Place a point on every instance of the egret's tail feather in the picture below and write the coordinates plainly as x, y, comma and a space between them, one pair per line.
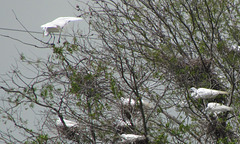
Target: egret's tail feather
223, 92
230, 109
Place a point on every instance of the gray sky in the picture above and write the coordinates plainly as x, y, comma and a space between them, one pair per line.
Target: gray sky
32, 14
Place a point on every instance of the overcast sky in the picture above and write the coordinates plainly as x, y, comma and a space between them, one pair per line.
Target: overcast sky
32, 14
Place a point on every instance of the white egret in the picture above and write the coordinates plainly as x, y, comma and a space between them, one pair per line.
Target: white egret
67, 122
57, 25
128, 101
217, 108
132, 137
205, 93
131, 102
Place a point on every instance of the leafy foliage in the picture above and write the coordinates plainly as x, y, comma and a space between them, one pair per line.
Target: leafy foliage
145, 51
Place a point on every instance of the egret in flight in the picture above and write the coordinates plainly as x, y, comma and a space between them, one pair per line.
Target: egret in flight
67, 122
205, 93
57, 25
217, 108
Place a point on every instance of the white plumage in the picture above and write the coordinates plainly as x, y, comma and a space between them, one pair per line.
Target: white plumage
205, 93
217, 108
67, 122
128, 101
132, 137
57, 24
131, 102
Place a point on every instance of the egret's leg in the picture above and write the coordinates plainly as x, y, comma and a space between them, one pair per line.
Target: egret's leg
50, 38
204, 104
59, 36
53, 38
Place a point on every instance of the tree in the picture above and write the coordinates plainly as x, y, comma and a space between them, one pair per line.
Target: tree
140, 50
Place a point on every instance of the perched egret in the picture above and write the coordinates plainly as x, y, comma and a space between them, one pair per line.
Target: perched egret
217, 108
57, 25
132, 137
205, 93
131, 102
67, 122
128, 101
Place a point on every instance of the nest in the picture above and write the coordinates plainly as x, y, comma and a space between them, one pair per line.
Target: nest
192, 72
71, 133
218, 128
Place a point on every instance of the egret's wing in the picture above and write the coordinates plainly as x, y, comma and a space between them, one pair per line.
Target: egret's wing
213, 104
210, 92
62, 21
203, 92
223, 108
70, 123
47, 25
67, 122
57, 24
71, 18
216, 107
131, 136
219, 92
